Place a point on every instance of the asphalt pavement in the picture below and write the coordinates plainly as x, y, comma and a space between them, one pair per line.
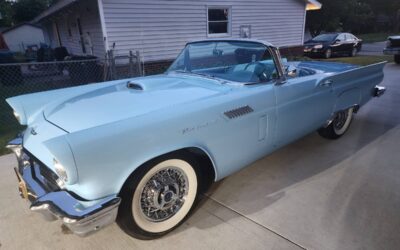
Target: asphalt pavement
312, 194
372, 49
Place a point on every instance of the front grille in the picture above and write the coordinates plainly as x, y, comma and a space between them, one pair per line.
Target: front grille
49, 177
42, 174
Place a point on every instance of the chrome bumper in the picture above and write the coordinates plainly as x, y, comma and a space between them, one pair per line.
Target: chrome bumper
80, 216
378, 91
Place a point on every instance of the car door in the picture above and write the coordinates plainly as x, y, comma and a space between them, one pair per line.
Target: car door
303, 105
350, 42
339, 46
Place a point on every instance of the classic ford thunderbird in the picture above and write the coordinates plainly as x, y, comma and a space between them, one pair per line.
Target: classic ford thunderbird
140, 151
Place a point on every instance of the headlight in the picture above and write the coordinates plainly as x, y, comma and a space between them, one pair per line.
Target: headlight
61, 172
318, 46
17, 117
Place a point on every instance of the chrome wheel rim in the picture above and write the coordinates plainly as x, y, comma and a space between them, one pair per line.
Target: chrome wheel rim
164, 194
340, 120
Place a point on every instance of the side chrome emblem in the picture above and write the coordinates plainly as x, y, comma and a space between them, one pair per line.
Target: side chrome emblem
33, 131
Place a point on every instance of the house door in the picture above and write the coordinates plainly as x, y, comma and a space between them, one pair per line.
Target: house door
82, 42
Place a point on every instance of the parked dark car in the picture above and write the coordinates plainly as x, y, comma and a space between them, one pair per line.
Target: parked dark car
329, 44
393, 48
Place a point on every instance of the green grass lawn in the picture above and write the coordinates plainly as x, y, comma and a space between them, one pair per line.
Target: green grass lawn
374, 37
360, 60
8, 133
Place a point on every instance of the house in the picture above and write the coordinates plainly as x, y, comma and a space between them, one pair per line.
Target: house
159, 29
20, 37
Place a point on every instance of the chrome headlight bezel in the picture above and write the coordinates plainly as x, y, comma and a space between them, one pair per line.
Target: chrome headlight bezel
61, 172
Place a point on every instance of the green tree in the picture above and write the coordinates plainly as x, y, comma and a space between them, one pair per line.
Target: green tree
5, 13
328, 18
26, 10
357, 16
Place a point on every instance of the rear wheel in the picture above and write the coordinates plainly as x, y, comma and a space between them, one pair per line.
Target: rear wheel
158, 197
338, 126
397, 59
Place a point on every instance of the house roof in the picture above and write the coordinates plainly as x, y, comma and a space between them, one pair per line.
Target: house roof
311, 5
19, 25
53, 9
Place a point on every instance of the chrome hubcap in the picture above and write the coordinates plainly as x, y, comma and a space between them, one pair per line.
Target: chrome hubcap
340, 120
164, 194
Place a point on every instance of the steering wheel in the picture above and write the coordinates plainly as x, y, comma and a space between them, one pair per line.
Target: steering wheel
261, 71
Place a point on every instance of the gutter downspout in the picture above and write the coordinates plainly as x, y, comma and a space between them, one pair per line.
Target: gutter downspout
304, 24
103, 25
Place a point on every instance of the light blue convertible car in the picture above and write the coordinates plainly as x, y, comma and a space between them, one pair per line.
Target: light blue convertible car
141, 150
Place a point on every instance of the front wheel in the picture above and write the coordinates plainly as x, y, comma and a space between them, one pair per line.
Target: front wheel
158, 197
397, 59
338, 126
328, 54
353, 52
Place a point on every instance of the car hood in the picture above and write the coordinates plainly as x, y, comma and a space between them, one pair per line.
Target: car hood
118, 102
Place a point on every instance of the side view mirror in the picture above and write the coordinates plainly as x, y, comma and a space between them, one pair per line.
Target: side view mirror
291, 71
337, 41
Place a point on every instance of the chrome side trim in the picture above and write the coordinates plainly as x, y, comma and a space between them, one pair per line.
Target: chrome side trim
235, 113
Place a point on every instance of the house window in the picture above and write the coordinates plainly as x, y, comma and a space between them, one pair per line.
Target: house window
219, 21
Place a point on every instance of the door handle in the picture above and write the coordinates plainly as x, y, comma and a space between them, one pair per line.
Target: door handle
326, 83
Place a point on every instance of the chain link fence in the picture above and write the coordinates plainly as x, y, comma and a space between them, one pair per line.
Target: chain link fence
23, 78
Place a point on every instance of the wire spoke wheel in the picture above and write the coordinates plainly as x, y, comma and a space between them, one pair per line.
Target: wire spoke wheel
164, 194
342, 121
158, 196
338, 126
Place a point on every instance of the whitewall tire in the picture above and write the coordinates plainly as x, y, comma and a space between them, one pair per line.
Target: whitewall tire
339, 125
158, 197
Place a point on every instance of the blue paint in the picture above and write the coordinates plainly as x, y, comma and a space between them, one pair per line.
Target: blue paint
102, 132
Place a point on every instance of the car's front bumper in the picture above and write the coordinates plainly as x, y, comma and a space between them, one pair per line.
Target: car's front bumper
392, 51
80, 216
310, 52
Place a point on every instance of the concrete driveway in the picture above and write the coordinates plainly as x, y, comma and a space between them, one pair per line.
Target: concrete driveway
312, 194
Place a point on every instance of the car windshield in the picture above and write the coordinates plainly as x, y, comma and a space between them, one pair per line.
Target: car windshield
324, 38
238, 61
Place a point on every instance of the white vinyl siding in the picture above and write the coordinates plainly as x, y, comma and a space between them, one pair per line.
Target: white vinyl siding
88, 14
160, 28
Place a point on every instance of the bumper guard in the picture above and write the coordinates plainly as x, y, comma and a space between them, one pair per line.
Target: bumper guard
378, 91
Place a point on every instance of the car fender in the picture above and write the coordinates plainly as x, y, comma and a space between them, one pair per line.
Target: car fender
166, 150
